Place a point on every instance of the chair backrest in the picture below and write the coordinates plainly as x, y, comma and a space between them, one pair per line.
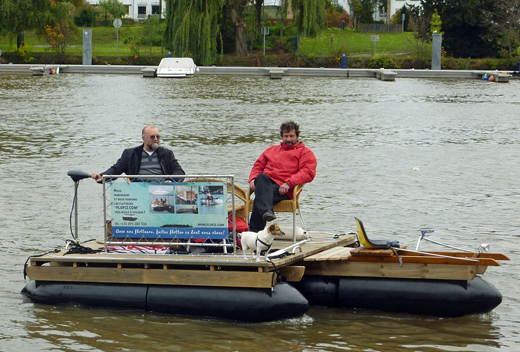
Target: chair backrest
285, 206
367, 243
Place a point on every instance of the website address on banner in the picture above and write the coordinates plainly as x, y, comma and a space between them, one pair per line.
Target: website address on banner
211, 224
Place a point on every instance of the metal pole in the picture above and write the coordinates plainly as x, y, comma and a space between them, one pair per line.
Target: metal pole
436, 51
117, 41
76, 185
264, 41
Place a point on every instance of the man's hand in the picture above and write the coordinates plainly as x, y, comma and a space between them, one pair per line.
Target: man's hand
284, 188
252, 185
97, 177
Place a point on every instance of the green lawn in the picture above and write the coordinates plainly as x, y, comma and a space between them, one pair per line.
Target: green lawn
104, 42
353, 43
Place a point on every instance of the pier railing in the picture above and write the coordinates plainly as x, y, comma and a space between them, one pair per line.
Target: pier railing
174, 211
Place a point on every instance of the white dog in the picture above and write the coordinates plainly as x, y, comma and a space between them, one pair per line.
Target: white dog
260, 241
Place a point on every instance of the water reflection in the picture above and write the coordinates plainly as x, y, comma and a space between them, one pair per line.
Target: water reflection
322, 329
369, 136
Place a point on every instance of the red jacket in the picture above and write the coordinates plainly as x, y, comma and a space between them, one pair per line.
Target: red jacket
294, 164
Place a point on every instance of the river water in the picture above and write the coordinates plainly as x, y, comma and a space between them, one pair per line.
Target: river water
401, 156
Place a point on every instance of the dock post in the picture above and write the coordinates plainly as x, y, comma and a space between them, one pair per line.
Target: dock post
87, 47
436, 51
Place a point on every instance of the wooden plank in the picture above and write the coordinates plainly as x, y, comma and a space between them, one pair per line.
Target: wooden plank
153, 276
325, 254
311, 249
495, 256
201, 260
293, 273
343, 255
427, 260
196, 259
391, 270
361, 251
337, 253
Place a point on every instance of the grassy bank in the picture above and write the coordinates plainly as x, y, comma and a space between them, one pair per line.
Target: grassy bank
104, 42
392, 51
353, 43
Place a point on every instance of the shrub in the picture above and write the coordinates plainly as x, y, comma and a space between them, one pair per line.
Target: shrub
381, 61
334, 18
275, 38
85, 18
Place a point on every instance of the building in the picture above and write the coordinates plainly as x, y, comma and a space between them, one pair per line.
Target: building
383, 13
141, 9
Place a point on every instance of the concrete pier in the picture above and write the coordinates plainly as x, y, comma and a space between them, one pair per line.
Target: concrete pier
274, 72
385, 75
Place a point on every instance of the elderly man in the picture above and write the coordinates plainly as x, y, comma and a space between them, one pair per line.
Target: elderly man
277, 171
146, 159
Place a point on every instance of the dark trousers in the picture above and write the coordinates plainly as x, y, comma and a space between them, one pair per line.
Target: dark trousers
266, 195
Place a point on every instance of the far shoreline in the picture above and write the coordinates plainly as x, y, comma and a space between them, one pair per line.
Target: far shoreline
272, 72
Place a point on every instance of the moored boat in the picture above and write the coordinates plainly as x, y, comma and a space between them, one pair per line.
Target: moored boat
176, 67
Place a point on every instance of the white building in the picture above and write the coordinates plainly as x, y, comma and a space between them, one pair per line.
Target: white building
379, 15
141, 9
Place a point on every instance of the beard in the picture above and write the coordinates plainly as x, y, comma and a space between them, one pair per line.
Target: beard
290, 143
153, 146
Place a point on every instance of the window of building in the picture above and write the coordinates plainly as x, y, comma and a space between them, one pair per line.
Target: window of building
141, 11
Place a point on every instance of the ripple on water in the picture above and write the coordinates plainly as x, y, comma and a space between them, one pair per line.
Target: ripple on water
368, 136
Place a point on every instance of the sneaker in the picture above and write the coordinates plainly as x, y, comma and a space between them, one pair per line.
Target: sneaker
268, 216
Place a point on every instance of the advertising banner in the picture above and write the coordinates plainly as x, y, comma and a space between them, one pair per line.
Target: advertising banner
169, 210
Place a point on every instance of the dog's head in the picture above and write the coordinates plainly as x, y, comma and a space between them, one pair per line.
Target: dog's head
275, 230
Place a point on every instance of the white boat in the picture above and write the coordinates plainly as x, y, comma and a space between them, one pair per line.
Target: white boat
176, 67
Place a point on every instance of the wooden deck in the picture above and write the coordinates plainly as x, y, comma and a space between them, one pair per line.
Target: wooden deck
224, 270
322, 255
402, 263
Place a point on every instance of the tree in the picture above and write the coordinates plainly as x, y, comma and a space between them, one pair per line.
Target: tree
436, 23
258, 7
114, 7
17, 16
466, 32
505, 23
192, 29
236, 8
364, 10
334, 18
310, 16
397, 17
422, 30
150, 33
60, 29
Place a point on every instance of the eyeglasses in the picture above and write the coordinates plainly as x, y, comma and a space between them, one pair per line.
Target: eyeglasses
154, 137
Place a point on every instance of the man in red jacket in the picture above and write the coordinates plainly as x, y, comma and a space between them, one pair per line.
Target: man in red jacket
277, 171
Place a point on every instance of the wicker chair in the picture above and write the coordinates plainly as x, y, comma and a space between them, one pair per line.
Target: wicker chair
285, 206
